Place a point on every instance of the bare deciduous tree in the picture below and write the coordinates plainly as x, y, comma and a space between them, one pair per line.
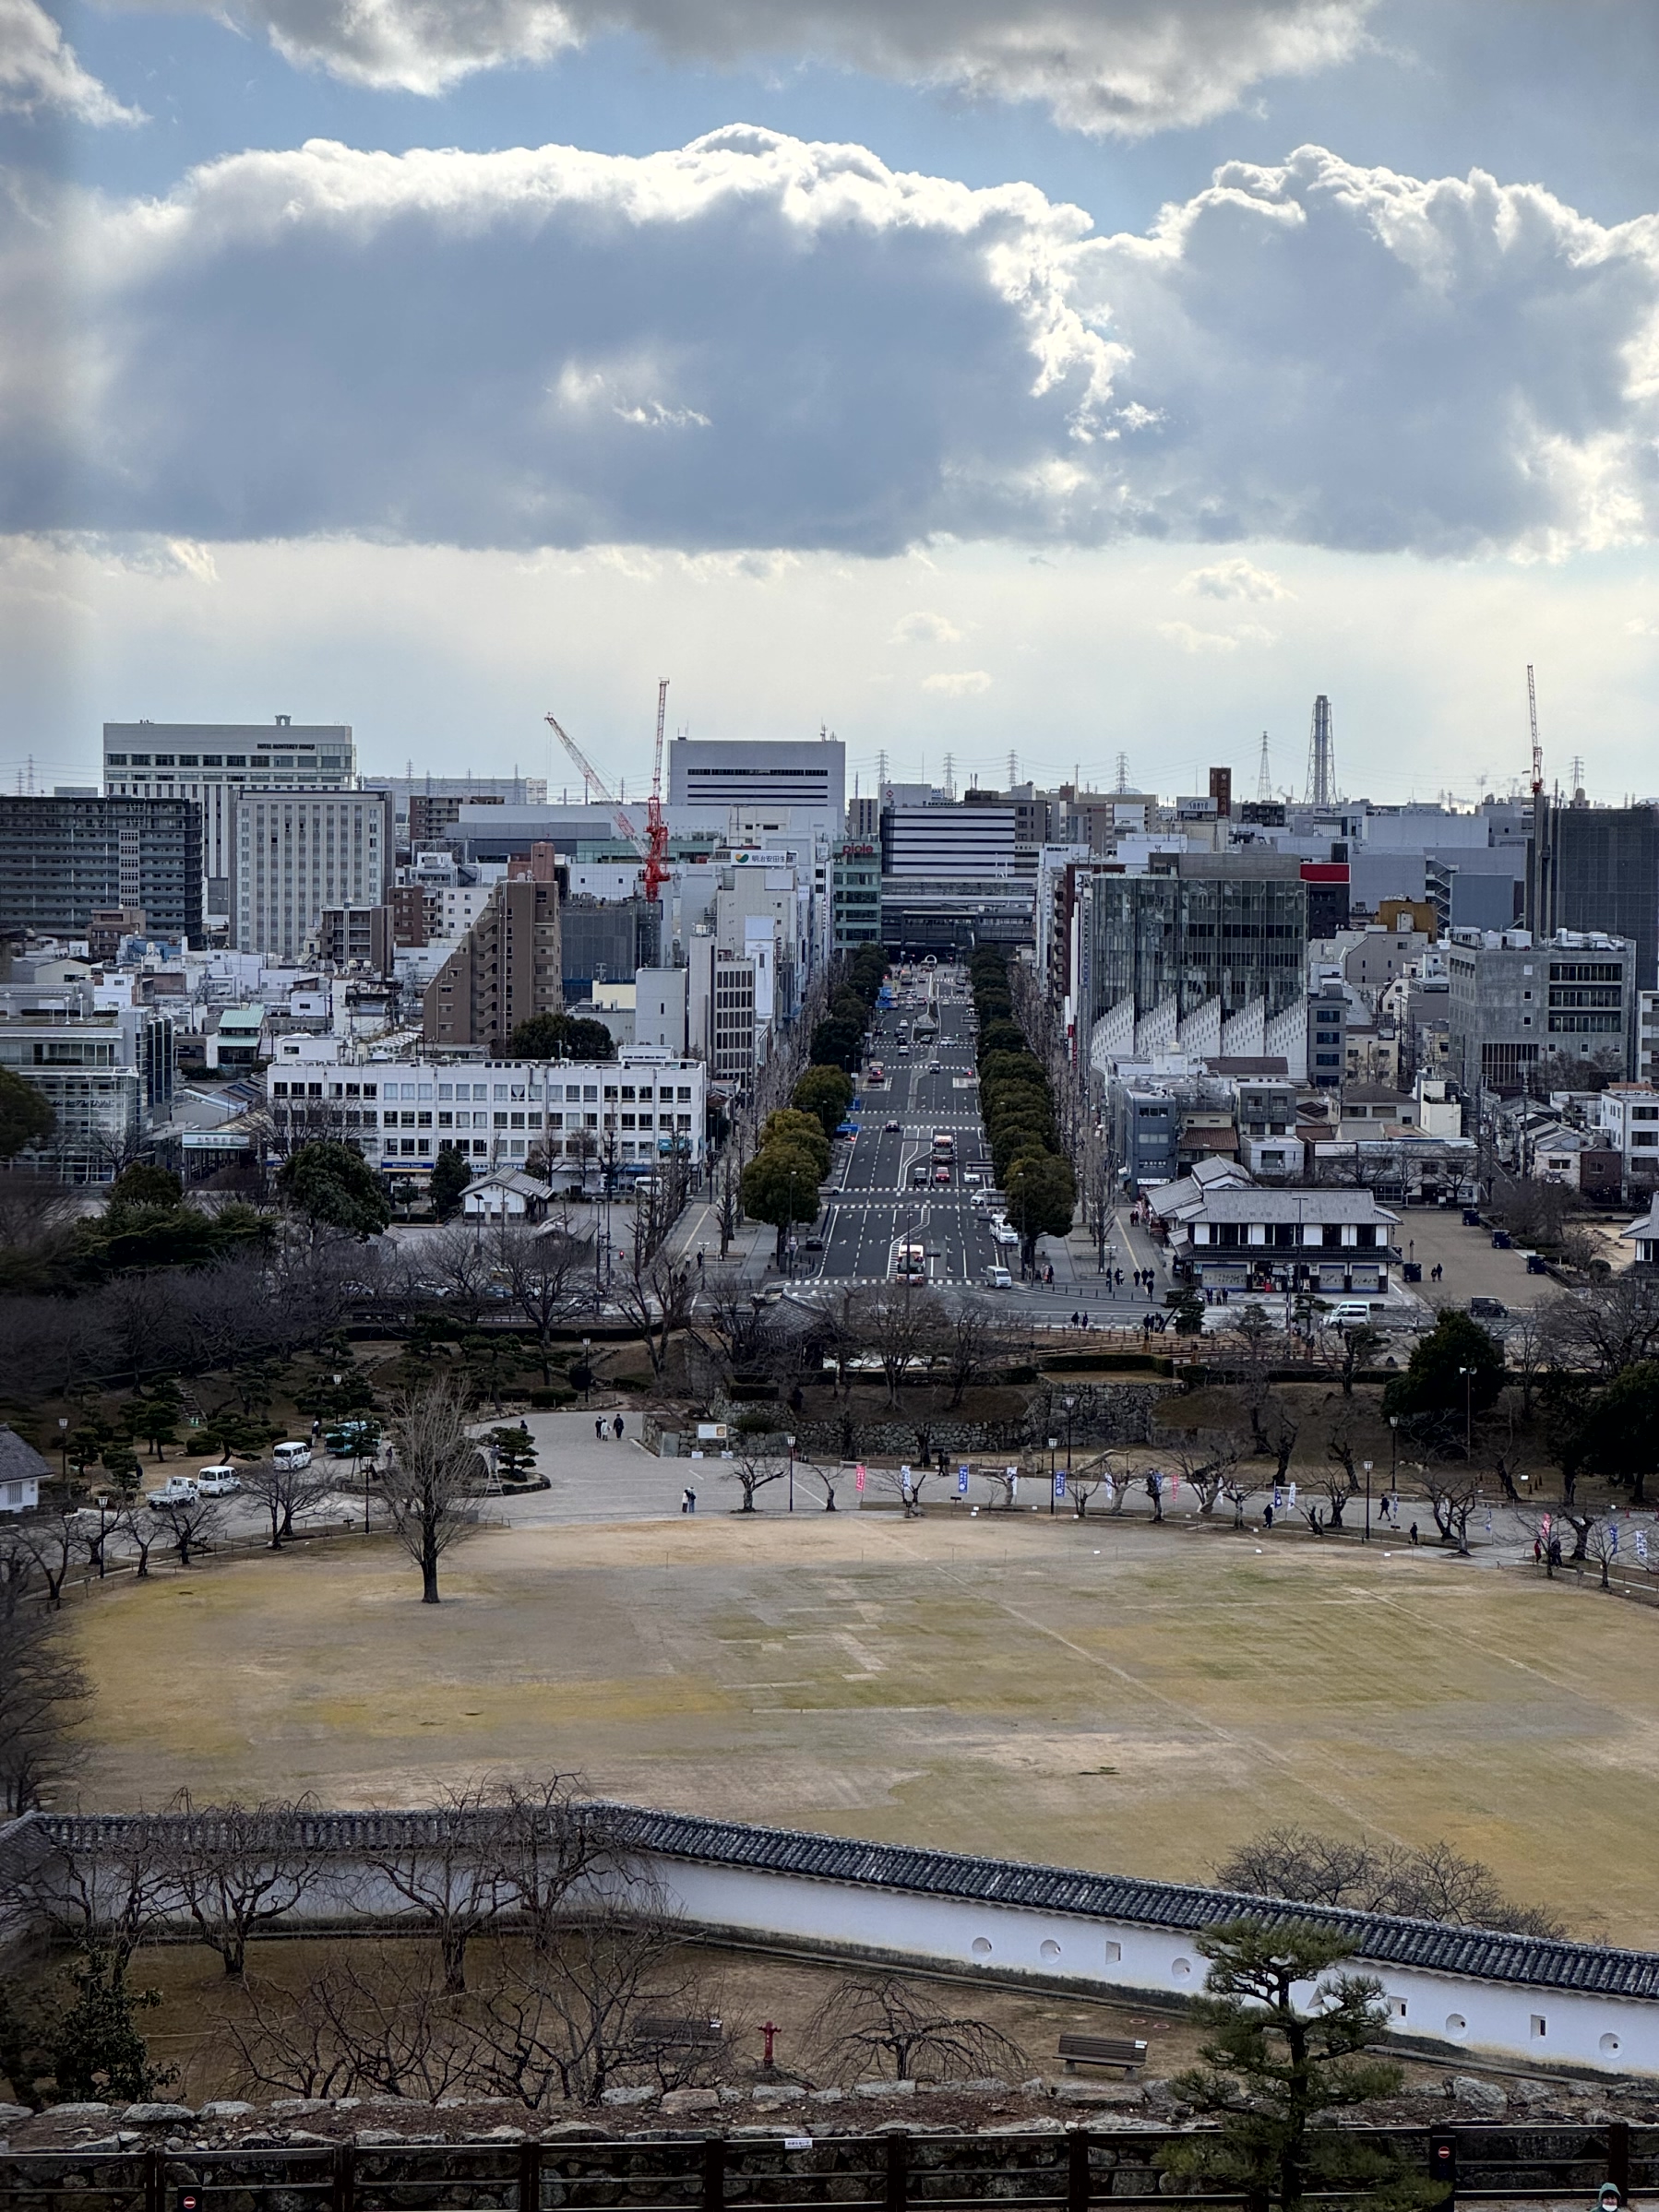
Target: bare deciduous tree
428, 1489
375, 2021
881, 2024
189, 1524
238, 1868
752, 1472
1204, 1462
548, 1273
657, 1293
451, 1874
1610, 1327
282, 1492
602, 2000
1434, 1883
42, 1690
1452, 1491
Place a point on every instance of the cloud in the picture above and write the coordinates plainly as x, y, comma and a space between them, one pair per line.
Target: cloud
755, 342
1121, 67
959, 683
1235, 580
39, 71
922, 628
1191, 640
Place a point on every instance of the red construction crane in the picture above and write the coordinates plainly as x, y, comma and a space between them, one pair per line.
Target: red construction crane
653, 845
1531, 708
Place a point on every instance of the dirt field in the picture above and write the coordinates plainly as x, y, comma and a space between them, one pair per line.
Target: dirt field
1110, 1697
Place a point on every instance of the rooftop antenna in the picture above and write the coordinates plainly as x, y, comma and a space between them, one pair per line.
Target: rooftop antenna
1264, 774
1321, 757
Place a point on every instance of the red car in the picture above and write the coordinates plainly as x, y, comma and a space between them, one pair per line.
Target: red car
941, 1174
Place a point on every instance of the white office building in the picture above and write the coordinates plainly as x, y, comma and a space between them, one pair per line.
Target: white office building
294, 853
626, 1113
759, 777
212, 762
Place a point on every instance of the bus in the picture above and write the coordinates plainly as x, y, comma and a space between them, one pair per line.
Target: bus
944, 1146
910, 1262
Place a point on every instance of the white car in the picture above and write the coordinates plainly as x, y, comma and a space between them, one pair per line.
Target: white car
218, 1482
1002, 1234
998, 1278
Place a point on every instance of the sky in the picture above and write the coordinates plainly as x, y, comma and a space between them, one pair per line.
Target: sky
1080, 384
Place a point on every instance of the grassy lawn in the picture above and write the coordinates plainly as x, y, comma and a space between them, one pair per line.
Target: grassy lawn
1107, 1696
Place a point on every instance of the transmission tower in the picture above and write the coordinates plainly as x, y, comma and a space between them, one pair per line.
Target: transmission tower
1264, 774
1123, 773
950, 775
1013, 771
1321, 757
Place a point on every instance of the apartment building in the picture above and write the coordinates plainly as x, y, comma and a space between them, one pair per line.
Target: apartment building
505, 969
63, 860
720, 1023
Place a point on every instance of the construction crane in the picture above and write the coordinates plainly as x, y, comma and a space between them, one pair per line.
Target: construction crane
1531, 710
653, 846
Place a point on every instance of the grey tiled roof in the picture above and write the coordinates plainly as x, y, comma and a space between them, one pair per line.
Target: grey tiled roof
1380, 1939
20, 1461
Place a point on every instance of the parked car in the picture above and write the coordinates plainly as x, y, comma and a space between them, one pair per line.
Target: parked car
1002, 1234
178, 1490
218, 1482
292, 1455
813, 1244
1488, 1309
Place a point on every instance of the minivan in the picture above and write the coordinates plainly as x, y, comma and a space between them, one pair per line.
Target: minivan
1351, 1312
218, 1482
998, 1278
292, 1455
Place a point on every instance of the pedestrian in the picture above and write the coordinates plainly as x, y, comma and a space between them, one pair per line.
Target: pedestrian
699, 1259
1050, 1276
1267, 1516
618, 1425
691, 1501
1074, 1319
1537, 1550
1085, 1320
599, 1428
1414, 1532
685, 1501
1119, 1279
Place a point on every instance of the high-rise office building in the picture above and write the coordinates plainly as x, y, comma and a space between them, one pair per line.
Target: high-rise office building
758, 776
62, 860
295, 854
1214, 934
210, 762
1517, 999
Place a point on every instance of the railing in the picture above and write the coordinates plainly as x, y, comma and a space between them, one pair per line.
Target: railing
1070, 2171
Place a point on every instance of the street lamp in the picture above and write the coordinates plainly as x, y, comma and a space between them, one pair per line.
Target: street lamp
587, 1371
1468, 1376
1367, 1468
1053, 1446
1068, 1403
791, 1441
1393, 1453
63, 1442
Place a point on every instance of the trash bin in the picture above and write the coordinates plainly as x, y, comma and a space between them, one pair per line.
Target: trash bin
1501, 1240
1413, 1271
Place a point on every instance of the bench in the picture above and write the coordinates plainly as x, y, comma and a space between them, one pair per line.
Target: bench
1102, 2050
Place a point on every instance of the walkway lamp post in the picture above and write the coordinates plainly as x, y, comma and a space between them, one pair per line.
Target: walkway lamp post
1367, 1468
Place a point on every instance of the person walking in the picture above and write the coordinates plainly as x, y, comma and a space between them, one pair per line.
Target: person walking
1267, 1516
1074, 1319
1414, 1532
619, 1424
599, 1428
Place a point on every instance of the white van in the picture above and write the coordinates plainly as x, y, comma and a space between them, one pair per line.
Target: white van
218, 1482
292, 1455
998, 1278
1351, 1312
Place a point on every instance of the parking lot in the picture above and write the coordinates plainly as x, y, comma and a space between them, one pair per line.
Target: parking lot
1475, 1267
